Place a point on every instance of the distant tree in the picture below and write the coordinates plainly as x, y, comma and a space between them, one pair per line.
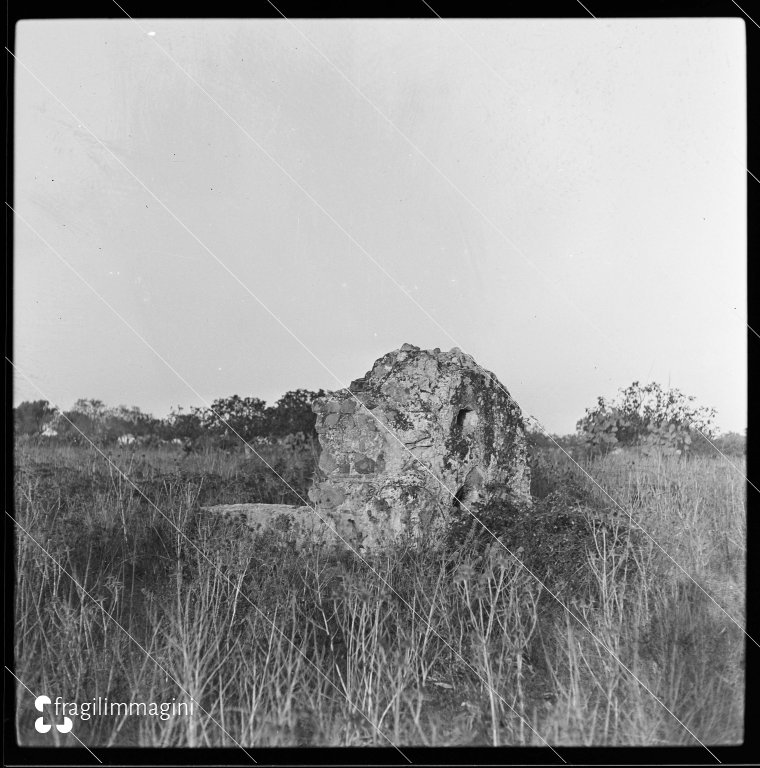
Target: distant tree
231, 418
95, 409
122, 421
185, 426
292, 413
79, 427
647, 416
84, 421
30, 418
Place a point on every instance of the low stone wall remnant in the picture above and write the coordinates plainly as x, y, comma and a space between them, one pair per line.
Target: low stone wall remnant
423, 435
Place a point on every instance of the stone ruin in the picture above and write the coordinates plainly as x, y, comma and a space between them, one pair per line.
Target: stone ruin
421, 436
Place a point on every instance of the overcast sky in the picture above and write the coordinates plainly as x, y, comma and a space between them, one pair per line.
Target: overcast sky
565, 200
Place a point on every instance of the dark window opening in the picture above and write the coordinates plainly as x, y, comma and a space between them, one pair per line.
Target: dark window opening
466, 421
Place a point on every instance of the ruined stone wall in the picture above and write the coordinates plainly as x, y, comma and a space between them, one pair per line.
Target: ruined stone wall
438, 433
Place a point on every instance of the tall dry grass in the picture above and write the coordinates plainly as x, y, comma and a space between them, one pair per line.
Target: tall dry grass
453, 644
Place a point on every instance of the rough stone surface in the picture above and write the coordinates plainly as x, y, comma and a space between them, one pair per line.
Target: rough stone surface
420, 435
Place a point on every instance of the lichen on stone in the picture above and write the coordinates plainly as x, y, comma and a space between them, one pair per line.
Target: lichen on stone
443, 435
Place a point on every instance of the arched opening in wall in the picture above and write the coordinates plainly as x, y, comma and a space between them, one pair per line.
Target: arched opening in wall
466, 420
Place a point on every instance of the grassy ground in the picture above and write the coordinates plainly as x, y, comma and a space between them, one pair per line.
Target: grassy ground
146, 599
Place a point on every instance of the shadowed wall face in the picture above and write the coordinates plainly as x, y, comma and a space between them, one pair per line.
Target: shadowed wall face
422, 434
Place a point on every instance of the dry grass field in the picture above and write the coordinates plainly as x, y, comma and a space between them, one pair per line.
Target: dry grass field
129, 592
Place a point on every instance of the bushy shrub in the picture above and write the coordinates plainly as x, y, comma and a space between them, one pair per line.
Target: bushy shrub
649, 417
234, 418
30, 417
292, 413
551, 537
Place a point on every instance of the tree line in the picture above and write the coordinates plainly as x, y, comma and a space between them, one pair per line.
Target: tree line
222, 424
642, 416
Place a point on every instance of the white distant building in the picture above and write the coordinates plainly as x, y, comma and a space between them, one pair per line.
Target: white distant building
49, 431
126, 440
